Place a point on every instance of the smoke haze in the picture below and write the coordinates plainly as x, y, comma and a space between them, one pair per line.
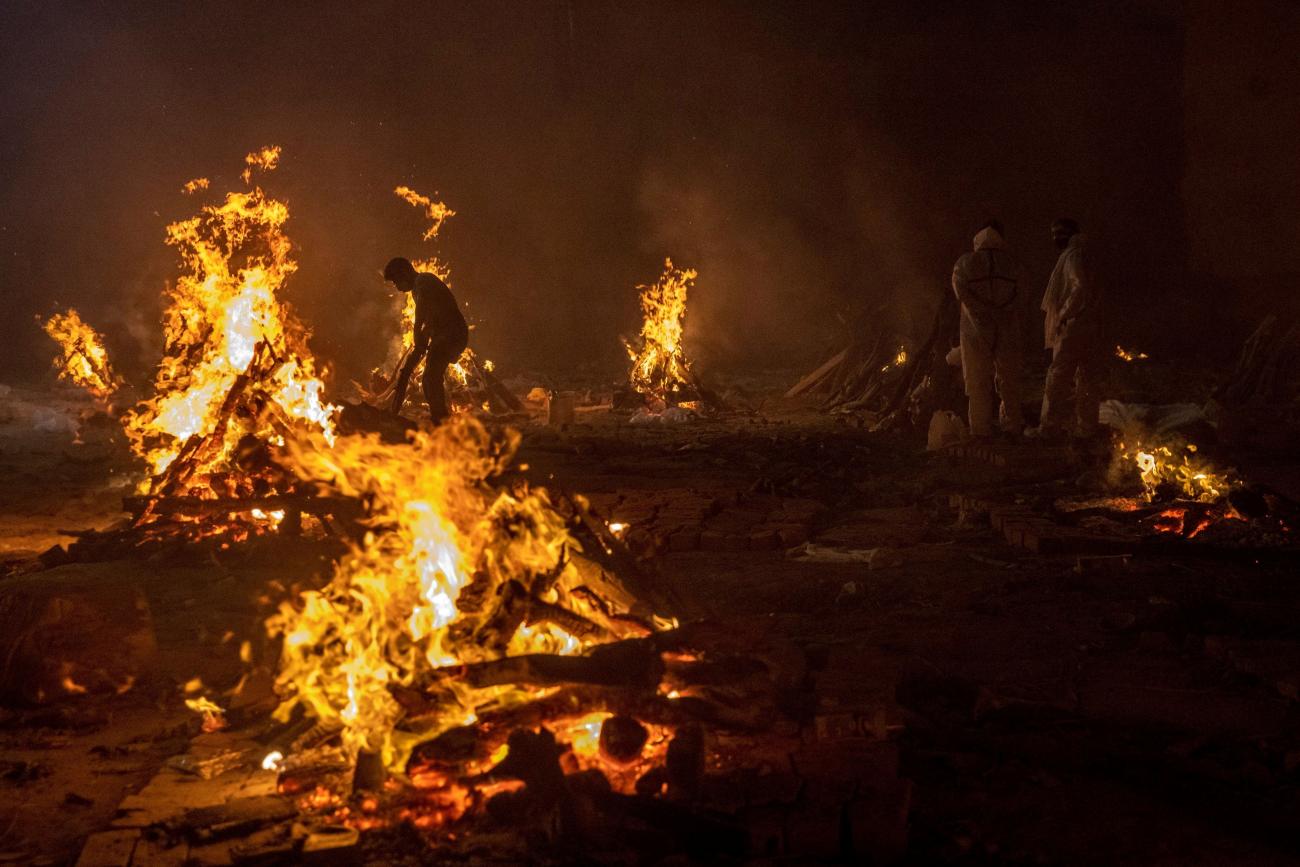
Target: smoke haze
805, 162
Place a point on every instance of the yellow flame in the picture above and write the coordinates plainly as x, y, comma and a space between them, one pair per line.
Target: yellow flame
659, 365
437, 212
83, 359
228, 335
583, 734
265, 159
900, 358
419, 592
211, 711
1182, 467
1129, 354
193, 186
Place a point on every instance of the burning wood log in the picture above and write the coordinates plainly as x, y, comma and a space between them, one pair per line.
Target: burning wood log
312, 505
473, 743
632, 663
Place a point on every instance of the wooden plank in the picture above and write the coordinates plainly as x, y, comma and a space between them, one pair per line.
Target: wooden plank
342, 506
814, 379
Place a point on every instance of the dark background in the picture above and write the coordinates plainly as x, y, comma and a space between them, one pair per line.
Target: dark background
805, 160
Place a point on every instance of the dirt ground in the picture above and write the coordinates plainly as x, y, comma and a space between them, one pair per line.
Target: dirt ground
1046, 713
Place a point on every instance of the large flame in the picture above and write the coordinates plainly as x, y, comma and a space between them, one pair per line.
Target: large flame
659, 364
83, 359
421, 590
231, 343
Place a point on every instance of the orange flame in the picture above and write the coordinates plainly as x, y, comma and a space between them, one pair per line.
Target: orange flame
1130, 355
1182, 467
84, 360
227, 330
659, 366
413, 595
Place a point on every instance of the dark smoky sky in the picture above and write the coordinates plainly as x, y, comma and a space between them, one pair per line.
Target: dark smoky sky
805, 161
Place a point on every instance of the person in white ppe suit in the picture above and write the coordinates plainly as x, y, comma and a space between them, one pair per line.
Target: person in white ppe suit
990, 286
1072, 330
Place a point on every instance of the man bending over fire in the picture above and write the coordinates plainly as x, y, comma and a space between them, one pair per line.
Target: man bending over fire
440, 334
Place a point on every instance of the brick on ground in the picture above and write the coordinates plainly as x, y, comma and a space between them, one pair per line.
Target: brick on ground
109, 848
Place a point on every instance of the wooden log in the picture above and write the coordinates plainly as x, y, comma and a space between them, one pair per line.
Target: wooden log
571, 622
813, 380
608, 568
634, 662
472, 744
312, 505
498, 392
363, 418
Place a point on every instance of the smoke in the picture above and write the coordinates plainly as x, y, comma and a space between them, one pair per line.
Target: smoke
806, 163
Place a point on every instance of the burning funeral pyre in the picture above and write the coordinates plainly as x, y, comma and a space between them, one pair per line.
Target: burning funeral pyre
1172, 493
472, 384
83, 359
661, 374
236, 379
484, 647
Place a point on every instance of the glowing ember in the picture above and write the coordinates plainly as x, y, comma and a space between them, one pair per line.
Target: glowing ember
659, 366
84, 360
584, 734
236, 361
1130, 354
1181, 469
271, 761
900, 358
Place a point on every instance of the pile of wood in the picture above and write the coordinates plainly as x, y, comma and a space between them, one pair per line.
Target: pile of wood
698, 683
481, 389
1267, 372
1257, 406
866, 378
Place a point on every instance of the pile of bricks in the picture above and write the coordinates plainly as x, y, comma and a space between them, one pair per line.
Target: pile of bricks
1025, 528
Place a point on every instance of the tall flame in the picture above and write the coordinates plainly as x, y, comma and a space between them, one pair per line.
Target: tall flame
659, 365
420, 591
83, 360
227, 332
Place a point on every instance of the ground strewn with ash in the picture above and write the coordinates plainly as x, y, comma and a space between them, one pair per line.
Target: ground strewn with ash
1045, 707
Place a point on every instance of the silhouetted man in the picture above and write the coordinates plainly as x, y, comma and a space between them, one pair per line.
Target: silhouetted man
440, 334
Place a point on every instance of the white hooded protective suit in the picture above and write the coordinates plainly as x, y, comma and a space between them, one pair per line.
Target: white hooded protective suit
991, 288
1072, 330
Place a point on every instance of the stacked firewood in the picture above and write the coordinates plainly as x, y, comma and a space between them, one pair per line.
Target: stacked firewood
1267, 372
867, 376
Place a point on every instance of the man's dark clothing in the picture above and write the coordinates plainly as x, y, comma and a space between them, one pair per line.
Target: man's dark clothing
441, 335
